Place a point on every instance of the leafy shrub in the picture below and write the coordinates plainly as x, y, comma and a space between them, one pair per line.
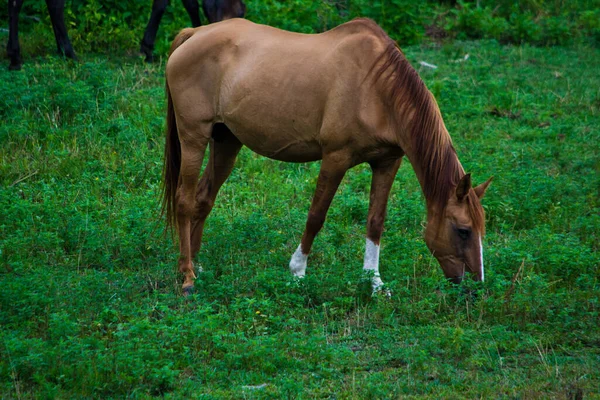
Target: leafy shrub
523, 28
536, 22
588, 24
404, 20
470, 22
111, 26
556, 30
296, 15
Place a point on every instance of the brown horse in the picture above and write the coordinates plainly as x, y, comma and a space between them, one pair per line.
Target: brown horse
346, 96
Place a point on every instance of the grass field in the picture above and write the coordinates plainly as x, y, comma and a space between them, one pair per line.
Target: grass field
90, 301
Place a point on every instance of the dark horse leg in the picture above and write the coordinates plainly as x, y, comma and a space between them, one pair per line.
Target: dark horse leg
219, 10
158, 9
213, 9
193, 10
56, 9
147, 45
12, 47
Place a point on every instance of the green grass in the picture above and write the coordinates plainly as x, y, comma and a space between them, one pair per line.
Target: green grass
90, 301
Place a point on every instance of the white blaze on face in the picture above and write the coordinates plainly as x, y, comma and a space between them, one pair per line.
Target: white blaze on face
298, 263
481, 256
372, 263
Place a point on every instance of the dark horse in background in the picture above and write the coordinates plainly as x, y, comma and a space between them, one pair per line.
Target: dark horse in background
56, 9
215, 10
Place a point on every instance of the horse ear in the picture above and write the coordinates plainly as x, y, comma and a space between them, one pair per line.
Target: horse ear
480, 190
463, 187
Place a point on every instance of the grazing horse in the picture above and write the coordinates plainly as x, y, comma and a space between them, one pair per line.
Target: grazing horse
345, 96
215, 11
56, 9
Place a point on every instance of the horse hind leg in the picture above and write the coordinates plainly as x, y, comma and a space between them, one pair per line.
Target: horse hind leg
381, 184
193, 146
224, 148
333, 169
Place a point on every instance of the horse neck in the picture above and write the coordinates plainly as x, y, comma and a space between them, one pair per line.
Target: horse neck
428, 146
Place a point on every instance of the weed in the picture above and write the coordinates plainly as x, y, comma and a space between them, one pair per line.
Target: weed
89, 294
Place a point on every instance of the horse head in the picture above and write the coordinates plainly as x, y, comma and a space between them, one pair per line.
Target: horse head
454, 232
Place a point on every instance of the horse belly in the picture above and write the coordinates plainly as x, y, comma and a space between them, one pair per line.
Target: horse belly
293, 152
275, 124
281, 144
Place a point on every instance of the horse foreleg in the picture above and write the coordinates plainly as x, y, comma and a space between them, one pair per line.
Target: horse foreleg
193, 9
13, 49
147, 45
381, 184
56, 9
333, 169
223, 152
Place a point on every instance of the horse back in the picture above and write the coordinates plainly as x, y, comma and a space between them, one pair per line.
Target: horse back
288, 96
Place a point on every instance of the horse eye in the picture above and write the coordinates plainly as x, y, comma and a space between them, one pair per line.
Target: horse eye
463, 233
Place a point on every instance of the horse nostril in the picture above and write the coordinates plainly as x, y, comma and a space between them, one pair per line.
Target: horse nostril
456, 280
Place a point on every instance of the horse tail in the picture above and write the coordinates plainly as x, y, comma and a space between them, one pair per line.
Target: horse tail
172, 158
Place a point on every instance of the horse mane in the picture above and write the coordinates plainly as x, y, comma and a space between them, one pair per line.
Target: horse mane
431, 143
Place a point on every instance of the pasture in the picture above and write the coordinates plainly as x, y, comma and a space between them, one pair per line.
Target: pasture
90, 300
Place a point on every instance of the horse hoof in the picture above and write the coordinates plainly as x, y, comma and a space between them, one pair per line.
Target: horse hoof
148, 54
147, 51
14, 67
188, 290
381, 291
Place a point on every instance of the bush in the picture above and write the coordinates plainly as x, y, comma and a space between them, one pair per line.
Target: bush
111, 26
534, 22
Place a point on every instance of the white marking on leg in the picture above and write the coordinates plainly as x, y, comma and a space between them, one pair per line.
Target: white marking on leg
481, 255
372, 264
298, 263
